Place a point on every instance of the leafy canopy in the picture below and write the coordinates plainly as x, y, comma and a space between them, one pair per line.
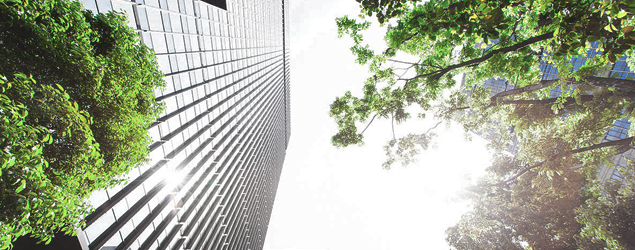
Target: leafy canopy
484, 39
76, 98
541, 191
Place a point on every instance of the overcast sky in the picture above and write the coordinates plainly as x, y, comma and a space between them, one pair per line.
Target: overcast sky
332, 199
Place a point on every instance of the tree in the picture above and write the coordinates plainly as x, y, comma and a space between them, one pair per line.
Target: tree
536, 195
77, 98
447, 37
566, 211
538, 210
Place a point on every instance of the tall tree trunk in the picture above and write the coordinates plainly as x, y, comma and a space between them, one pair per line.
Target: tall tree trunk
568, 101
600, 82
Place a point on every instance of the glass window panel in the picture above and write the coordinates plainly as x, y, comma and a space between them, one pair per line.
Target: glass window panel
173, 63
104, 6
153, 3
166, 21
179, 44
120, 208
154, 19
143, 18
158, 43
176, 23
173, 5
98, 197
187, 43
95, 229
163, 4
164, 64
114, 241
182, 62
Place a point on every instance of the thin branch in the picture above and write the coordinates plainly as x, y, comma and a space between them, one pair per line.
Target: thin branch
435, 126
393, 126
408, 69
397, 61
403, 68
371, 121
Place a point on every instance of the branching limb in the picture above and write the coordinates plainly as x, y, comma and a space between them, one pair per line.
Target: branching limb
435, 126
437, 74
367, 125
398, 61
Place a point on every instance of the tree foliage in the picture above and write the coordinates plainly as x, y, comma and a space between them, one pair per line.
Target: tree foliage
541, 191
448, 37
77, 98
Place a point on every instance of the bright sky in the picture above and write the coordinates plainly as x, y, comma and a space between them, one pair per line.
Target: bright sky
342, 199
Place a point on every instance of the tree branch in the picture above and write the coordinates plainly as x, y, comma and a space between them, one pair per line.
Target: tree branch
393, 126
540, 85
437, 74
397, 61
568, 101
435, 126
600, 82
623, 143
371, 121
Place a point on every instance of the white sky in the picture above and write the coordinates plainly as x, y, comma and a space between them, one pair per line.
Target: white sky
332, 199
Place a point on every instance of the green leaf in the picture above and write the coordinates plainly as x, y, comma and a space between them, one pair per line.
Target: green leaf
21, 186
612, 57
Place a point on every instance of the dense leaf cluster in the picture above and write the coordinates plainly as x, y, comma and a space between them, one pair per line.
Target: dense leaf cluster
77, 98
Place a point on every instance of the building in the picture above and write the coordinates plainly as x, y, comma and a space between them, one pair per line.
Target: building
218, 148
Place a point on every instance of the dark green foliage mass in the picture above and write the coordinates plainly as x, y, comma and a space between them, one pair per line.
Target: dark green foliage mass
77, 96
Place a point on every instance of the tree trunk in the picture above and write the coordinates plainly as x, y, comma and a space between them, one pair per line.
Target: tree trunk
600, 82
439, 73
621, 144
568, 101
620, 84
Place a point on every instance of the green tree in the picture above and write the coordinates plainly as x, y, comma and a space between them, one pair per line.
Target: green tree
541, 211
448, 38
537, 194
77, 98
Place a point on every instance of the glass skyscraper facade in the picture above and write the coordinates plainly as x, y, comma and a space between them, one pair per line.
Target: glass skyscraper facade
218, 148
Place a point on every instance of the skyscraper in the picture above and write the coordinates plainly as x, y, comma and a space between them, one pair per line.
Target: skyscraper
218, 148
